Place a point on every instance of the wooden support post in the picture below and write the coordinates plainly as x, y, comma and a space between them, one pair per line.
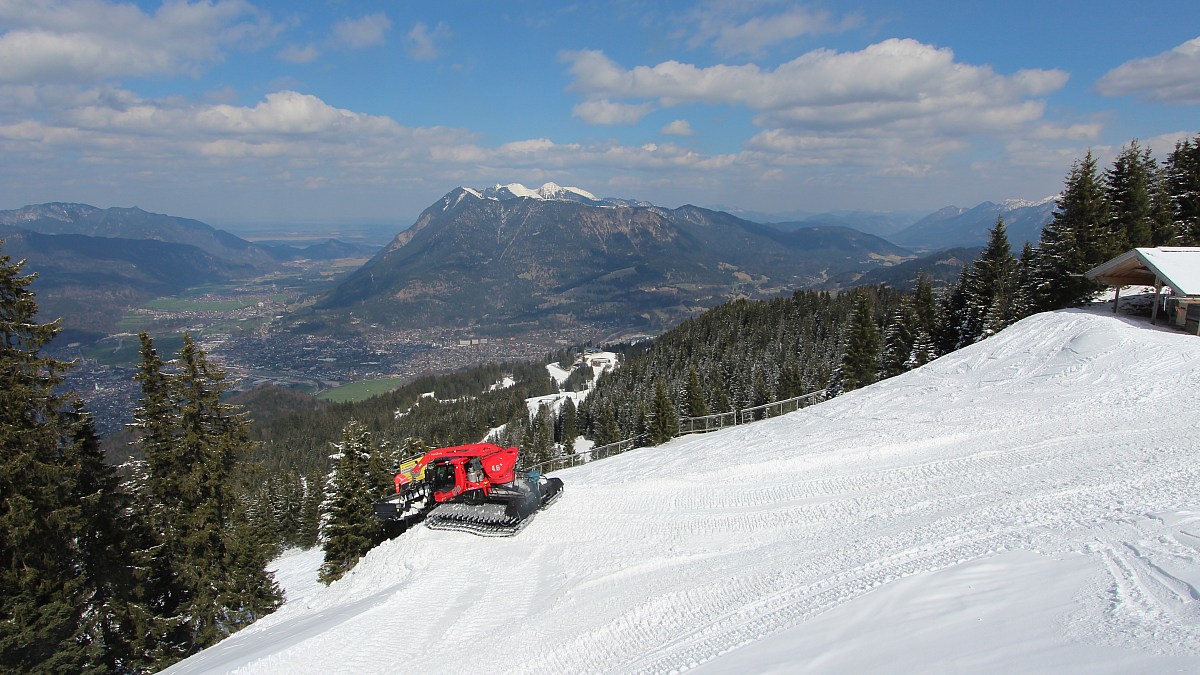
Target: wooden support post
1157, 296
1116, 299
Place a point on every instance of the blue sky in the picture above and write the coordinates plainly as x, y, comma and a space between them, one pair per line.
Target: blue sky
233, 111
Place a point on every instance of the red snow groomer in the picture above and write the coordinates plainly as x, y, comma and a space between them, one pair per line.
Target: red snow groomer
473, 488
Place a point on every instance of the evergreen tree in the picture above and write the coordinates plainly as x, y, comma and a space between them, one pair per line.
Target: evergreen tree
860, 365
1162, 210
990, 283
607, 431
205, 570
925, 321
899, 339
696, 405
1183, 184
662, 420
569, 426
63, 585
348, 525
924, 305
951, 316
1077, 239
1128, 186
537, 444
1025, 300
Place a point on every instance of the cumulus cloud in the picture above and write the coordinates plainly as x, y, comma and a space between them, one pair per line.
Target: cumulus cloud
423, 42
607, 112
678, 128
908, 102
365, 31
1170, 77
888, 81
81, 41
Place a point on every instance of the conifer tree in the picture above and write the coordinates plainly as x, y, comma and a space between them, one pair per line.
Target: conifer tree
990, 283
924, 317
63, 585
1183, 184
538, 441
1162, 210
1076, 239
205, 572
348, 525
696, 405
924, 305
607, 431
951, 316
860, 365
662, 420
569, 426
899, 339
1025, 299
309, 524
1127, 186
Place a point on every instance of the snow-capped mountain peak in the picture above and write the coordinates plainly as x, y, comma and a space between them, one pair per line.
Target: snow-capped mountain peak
1014, 204
555, 191
549, 191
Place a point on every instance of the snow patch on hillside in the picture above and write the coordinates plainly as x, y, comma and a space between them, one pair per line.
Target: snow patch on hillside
1025, 504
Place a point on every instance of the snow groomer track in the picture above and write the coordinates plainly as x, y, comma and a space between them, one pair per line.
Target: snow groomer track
1029, 503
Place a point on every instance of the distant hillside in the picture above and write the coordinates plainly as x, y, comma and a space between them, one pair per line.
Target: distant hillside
942, 268
953, 227
328, 249
58, 218
91, 281
517, 258
879, 224
94, 264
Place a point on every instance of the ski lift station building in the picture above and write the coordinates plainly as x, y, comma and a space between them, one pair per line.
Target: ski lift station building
1176, 267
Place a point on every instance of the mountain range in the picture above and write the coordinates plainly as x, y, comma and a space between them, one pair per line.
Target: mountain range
504, 257
94, 264
510, 256
953, 227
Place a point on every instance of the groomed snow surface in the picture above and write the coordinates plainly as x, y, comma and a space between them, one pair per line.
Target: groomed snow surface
1028, 504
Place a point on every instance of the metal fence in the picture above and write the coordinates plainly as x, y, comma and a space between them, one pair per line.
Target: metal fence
688, 425
707, 423
585, 456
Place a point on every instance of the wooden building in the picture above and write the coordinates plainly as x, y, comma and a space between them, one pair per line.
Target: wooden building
1176, 267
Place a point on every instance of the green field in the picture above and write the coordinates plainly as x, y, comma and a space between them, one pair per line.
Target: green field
185, 305
358, 391
125, 351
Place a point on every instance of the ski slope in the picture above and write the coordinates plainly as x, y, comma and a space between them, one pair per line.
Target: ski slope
1027, 504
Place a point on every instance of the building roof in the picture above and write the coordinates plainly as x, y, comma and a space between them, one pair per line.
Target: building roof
1174, 266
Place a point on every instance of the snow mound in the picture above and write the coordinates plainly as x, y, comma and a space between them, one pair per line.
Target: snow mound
1028, 503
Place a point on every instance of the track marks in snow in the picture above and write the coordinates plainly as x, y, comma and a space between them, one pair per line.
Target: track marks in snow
1047, 438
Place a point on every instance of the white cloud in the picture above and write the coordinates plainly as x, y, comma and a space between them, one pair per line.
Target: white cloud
898, 103
1170, 77
888, 81
365, 31
731, 31
83, 41
422, 42
678, 128
299, 53
609, 113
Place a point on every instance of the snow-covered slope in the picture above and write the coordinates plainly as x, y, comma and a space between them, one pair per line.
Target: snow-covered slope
1028, 504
